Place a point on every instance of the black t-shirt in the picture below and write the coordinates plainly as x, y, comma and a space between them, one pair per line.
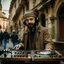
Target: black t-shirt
31, 41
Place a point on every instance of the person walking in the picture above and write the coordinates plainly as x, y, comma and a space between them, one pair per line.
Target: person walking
1, 37
5, 38
14, 38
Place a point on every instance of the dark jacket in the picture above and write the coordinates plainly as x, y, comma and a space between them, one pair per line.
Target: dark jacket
6, 35
43, 39
14, 37
1, 35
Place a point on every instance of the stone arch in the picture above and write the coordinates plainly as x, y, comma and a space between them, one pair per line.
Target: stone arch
57, 5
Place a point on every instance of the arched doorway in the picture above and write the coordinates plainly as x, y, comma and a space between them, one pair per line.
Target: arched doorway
61, 23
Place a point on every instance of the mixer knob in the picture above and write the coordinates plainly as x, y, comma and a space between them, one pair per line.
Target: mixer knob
5, 54
39, 56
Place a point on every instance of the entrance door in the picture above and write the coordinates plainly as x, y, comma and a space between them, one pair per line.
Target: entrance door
61, 29
61, 22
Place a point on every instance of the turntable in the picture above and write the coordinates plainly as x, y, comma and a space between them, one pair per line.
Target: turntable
44, 54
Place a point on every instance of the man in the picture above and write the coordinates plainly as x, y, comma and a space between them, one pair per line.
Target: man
1, 37
5, 38
36, 37
14, 38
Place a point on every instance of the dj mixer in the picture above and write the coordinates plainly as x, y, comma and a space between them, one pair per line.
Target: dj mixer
33, 56
30, 54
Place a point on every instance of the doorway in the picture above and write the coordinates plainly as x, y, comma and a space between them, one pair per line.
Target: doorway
61, 23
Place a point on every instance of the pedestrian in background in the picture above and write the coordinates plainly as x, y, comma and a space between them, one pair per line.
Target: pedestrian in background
5, 38
1, 36
14, 38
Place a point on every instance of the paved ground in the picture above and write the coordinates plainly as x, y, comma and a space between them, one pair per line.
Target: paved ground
9, 45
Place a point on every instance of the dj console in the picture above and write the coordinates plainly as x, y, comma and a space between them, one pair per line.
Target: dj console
32, 56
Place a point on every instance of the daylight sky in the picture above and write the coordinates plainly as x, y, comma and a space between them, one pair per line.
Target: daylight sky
5, 6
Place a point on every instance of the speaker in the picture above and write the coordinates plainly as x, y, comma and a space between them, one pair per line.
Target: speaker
36, 20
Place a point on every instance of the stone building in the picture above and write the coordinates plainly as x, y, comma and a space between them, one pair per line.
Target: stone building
3, 19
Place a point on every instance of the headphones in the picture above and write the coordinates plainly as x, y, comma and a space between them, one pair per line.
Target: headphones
36, 21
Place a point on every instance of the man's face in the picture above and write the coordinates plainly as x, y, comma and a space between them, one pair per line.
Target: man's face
30, 22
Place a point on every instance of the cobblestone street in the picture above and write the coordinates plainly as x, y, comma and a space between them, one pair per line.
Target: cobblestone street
9, 45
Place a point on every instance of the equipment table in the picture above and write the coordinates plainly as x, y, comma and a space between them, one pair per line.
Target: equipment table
31, 58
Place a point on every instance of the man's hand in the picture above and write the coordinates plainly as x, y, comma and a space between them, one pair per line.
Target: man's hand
19, 46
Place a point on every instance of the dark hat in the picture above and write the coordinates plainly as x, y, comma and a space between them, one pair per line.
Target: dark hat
29, 14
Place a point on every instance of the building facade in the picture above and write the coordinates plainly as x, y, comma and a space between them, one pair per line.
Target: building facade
3, 19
